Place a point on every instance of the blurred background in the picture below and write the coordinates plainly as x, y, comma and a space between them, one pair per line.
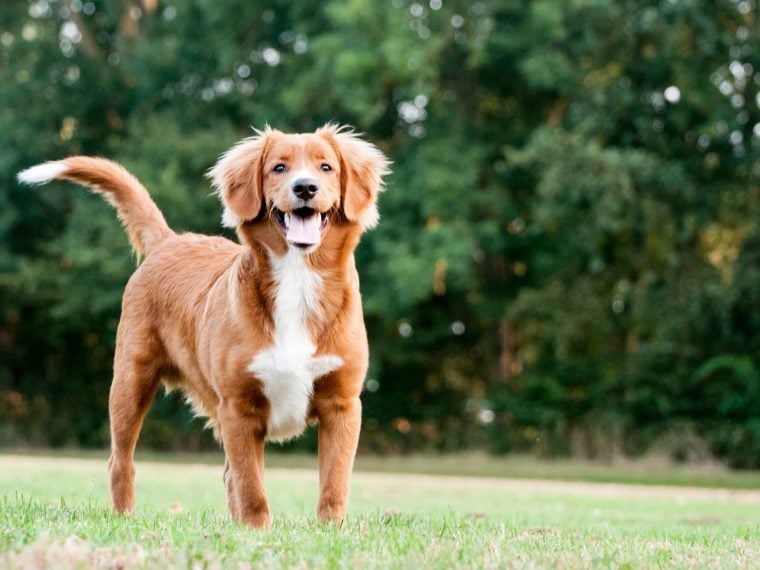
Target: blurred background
568, 261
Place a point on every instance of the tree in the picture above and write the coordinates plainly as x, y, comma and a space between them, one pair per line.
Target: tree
565, 261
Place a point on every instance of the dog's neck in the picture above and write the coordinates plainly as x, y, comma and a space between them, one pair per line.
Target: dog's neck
328, 274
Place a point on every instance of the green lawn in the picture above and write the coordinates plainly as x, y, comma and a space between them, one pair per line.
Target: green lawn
54, 511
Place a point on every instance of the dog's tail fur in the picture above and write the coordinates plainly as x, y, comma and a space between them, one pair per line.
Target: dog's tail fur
141, 217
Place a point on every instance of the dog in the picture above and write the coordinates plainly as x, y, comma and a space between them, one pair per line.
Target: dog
263, 337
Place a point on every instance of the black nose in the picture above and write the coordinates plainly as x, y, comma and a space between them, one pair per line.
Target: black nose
305, 188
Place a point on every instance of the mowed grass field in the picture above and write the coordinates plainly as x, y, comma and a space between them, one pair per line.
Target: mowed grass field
54, 512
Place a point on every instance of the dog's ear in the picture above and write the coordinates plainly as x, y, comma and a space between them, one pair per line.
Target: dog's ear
238, 177
362, 167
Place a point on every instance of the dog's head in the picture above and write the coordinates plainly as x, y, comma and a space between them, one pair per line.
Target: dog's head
301, 184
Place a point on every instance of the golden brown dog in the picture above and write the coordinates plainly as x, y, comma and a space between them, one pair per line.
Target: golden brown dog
262, 337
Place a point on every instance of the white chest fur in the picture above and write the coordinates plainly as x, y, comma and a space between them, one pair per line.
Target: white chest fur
288, 368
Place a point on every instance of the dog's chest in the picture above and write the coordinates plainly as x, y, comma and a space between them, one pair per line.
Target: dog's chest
288, 368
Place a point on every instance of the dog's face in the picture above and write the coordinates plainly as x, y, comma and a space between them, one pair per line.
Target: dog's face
301, 184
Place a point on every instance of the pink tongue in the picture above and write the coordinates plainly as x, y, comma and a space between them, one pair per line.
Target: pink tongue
304, 230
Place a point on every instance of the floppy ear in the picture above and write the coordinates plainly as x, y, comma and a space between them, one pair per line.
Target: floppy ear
362, 167
238, 178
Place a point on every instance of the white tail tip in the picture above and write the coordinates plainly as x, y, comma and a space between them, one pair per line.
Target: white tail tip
43, 173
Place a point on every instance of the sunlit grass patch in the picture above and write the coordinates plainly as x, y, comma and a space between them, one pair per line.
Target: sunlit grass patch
55, 512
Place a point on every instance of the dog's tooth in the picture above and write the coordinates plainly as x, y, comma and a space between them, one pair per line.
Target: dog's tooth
287, 221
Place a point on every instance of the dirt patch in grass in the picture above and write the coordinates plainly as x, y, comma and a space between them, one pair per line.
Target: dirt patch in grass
613, 490
406, 481
72, 552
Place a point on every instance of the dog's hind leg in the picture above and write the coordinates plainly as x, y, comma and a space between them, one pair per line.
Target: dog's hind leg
136, 380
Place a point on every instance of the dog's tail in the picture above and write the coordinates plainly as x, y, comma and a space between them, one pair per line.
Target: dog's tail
141, 217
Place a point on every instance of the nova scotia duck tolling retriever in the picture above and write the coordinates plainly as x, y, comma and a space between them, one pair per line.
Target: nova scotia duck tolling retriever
263, 337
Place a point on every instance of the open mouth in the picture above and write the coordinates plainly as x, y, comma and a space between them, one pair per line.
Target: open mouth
303, 227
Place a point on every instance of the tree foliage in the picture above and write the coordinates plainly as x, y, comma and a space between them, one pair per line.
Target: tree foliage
568, 256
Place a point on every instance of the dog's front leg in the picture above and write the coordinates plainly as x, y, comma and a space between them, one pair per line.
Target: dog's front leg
229, 487
243, 428
339, 424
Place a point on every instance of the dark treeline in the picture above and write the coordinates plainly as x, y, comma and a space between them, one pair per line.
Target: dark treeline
568, 260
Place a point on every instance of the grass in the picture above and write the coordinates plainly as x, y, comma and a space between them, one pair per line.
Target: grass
54, 512
650, 470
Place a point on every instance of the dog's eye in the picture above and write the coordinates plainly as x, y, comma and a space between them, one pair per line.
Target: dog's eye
326, 167
279, 168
